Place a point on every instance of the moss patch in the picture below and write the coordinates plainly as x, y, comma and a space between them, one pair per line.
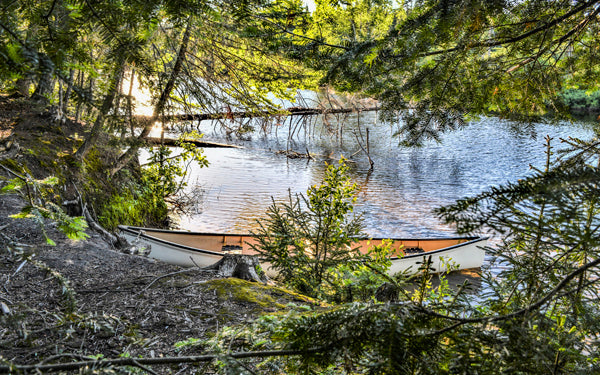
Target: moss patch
268, 298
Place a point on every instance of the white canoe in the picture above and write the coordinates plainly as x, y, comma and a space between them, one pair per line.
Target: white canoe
191, 249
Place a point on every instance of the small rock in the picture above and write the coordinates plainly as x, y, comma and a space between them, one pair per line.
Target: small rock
5, 309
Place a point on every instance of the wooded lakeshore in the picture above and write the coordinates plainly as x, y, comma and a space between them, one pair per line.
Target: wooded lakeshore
86, 87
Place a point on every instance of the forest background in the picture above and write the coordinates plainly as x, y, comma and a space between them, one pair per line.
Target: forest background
431, 65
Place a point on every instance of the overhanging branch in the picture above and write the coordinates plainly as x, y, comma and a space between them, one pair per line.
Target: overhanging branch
535, 306
497, 43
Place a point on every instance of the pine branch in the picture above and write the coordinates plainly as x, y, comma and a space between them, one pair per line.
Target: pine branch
162, 101
285, 30
81, 93
577, 29
518, 38
534, 306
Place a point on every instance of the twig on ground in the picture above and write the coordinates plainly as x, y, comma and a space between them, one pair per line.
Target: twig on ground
171, 274
147, 369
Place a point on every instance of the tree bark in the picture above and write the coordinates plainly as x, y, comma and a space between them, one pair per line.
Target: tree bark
45, 82
129, 104
246, 267
292, 111
65, 101
79, 107
115, 240
175, 143
44, 367
22, 86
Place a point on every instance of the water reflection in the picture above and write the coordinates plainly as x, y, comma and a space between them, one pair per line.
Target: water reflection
396, 198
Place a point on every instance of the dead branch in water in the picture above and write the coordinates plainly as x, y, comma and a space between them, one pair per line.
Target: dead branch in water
292, 111
175, 142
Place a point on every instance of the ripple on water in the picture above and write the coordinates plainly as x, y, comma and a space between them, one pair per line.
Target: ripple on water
395, 199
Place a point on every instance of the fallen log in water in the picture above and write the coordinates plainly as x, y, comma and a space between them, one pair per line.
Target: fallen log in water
175, 142
292, 111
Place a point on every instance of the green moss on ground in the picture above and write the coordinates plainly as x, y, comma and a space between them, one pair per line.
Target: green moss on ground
267, 298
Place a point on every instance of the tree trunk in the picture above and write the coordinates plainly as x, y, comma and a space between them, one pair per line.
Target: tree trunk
115, 240
160, 105
119, 84
104, 110
65, 100
244, 267
45, 82
130, 105
22, 86
79, 107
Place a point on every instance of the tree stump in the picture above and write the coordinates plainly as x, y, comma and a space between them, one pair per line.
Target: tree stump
245, 267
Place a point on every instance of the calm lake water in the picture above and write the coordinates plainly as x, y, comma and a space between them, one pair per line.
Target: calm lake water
395, 199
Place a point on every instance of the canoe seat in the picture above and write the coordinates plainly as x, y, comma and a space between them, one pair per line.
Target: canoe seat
231, 249
413, 250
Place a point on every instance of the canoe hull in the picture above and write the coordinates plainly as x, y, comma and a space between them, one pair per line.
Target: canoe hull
190, 249
459, 257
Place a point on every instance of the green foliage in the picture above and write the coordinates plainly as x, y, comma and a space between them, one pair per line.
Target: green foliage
80, 56
306, 239
358, 281
351, 338
551, 246
38, 194
311, 243
431, 63
537, 311
577, 99
187, 343
165, 174
121, 200
146, 202
434, 64
134, 207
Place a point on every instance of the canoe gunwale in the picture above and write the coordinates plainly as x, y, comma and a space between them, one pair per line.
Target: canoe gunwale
141, 232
